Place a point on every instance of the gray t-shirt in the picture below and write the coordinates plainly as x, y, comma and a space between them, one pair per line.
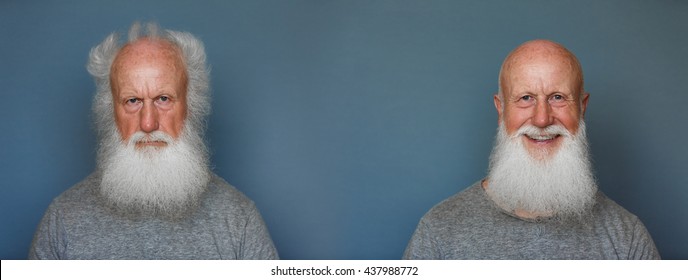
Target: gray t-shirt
226, 225
469, 225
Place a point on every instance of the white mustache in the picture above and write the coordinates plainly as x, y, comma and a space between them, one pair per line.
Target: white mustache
155, 136
541, 133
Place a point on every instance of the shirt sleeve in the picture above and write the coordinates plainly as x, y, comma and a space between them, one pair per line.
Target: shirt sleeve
257, 244
48, 242
423, 245
642, 248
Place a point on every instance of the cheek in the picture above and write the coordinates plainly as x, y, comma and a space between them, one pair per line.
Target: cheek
569, 119
571, 124
127, 124
180, 117
125, 130
512, 127
172, 122
514, 119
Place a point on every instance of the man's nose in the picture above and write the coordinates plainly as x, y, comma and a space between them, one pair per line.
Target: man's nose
543, 114
149, 118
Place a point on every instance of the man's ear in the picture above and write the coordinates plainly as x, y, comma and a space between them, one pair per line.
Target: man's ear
584, 103
498, 106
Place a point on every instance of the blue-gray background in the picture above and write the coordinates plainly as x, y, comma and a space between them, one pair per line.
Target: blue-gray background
345, 121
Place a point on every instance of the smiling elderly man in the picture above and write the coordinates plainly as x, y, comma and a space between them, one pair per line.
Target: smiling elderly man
540, 199
153, 195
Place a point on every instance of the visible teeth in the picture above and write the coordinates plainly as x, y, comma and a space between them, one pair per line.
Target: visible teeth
541, 137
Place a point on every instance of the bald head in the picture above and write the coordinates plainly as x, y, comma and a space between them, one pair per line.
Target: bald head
540, 52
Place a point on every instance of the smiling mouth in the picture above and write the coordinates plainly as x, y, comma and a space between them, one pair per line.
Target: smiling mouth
543, 138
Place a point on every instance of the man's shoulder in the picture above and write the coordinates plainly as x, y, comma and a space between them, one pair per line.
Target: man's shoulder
624, 228
222, 194
463, 203
611, 212
80, 193
78, 201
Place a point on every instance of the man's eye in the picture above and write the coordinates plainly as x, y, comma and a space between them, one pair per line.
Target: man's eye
132, 101
163, 100
557, 98
527, 98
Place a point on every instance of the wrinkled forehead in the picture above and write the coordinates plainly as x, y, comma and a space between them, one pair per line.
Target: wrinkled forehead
552, 68
148, 50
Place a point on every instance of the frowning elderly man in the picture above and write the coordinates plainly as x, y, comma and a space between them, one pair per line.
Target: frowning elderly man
540, 199
153, 195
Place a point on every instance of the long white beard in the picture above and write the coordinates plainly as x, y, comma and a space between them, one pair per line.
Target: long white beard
561, 185
166, 181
